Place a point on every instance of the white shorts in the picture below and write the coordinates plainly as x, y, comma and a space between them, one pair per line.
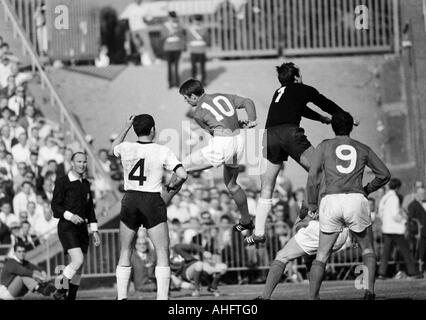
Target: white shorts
308, 238
224, 150
349, 210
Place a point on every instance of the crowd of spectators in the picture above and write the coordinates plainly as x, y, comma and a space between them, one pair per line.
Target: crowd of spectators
33, 154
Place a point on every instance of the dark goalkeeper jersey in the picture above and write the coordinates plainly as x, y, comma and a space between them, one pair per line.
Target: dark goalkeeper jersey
289, 105
342, 160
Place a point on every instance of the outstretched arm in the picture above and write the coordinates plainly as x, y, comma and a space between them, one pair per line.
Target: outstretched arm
323, 102
123, 133
308, 113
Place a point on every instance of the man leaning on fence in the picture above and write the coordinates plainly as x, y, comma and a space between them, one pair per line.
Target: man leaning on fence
417, 210
393, 228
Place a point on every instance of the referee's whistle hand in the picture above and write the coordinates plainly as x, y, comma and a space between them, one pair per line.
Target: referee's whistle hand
96, 239
76, 219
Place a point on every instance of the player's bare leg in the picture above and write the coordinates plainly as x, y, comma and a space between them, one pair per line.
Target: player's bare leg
326, 243
306, 158
75, 282
159, 236
193, 272
76, 258
268, 180
290, 252
230, 176
366, 242
196, 162
124, 268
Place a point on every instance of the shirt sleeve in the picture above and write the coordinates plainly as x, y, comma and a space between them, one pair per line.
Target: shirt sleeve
314, 178
321, 101
308, 113
381, 172
58, 199
118, 150
171, 162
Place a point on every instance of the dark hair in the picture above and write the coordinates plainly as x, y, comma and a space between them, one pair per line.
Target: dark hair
173, 14
395, 183
342, 123
27, 182
175, 221
287, 73
190, 87
198, 17
52, 161
19, 244
76, 153
142, 124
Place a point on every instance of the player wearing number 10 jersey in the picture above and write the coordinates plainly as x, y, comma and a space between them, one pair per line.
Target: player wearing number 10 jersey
217, 113
142, 205
342, 161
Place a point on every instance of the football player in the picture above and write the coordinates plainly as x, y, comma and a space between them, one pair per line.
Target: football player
142, 205
342, 161
303, 244
217, 113
285, 138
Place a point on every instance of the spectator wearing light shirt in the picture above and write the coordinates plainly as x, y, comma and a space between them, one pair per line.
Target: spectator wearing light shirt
49, 152
21, 151
6, 214
5, 71
393, 229
21, 199
15, 128
17, 102
7, 138
45, 225
136, 13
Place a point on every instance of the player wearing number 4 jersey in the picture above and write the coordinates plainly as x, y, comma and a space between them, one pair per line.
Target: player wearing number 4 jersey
142, 205
217, 113
342, 161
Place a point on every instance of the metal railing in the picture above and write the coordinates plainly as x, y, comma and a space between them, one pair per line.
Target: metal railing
296, 27
241, 28
102, 261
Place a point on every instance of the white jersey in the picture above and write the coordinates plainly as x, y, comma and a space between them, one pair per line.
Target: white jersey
143, 165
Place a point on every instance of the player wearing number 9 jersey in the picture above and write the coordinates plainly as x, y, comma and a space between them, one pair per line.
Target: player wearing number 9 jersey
142, 205
342, 161
217, 113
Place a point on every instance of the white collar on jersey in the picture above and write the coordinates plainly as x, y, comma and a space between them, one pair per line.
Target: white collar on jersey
73, 177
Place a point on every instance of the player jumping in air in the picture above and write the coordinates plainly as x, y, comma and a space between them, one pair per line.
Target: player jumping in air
284, 137
217, 113
143, 163
342, 161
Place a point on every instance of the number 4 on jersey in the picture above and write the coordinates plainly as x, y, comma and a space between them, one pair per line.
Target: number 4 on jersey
141, 178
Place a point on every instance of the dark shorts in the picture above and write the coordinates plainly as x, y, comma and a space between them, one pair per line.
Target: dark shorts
142, 209
284, 141
72, 236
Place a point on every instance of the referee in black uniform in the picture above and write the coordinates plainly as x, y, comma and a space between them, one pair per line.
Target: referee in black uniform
72, 204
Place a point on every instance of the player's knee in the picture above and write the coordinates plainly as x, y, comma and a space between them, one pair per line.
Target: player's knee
77, 262
281, 257
368, 251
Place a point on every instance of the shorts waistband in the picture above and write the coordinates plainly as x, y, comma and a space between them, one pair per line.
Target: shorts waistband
142, 192
226, 133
